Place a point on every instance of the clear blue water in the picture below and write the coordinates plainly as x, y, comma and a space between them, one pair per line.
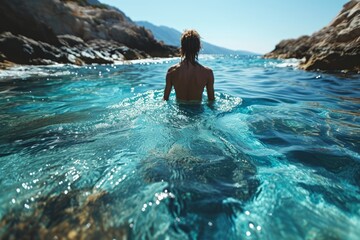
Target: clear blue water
277, 156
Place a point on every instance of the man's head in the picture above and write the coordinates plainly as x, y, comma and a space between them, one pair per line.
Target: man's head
190, 45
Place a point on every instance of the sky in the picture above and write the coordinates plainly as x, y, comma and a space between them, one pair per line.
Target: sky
252, 25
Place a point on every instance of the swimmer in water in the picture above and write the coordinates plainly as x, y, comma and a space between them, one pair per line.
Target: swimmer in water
189, 77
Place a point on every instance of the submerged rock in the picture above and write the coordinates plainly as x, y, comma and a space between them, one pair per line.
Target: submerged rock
79, 214
335, 47
202, 181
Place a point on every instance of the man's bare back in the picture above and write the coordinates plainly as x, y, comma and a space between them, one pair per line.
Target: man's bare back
189, 81
188, 77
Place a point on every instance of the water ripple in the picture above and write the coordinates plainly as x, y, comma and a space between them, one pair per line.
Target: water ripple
94, 150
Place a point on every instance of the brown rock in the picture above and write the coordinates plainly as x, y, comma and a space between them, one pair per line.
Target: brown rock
43, 32
6, 64
23, 50
80, 214
71, 41
15, 18
81, 20
335, 47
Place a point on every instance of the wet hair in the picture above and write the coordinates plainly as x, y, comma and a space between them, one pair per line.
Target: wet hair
190, 46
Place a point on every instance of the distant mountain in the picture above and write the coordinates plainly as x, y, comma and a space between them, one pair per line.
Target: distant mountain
171, 36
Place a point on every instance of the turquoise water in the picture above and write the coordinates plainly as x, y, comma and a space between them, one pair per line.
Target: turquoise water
93, 151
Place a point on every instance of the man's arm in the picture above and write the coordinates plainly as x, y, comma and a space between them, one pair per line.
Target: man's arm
210, 87
168, 87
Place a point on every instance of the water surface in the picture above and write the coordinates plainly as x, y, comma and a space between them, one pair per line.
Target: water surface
94, 151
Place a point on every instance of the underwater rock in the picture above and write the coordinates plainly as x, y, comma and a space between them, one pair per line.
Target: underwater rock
79, 214
335, 47
202, 181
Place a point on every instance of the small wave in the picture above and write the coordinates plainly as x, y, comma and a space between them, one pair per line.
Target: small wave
207, 57
56, 70
31, 71
146, 61
285, 63
152, 104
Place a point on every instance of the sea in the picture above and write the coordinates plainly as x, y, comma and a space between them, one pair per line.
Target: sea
93, 152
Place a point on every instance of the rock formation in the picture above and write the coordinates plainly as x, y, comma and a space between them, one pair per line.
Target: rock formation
335, 47
72, 31
79, 214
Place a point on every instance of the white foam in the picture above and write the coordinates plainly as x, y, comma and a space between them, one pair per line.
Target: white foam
53, 70
30, 70
292, 62
146, 61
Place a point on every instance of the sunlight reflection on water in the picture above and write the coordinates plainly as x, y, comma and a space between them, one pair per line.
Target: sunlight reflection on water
93, 150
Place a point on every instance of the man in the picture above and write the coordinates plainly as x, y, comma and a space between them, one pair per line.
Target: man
188, 77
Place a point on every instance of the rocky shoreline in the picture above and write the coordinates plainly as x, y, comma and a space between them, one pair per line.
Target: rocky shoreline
335, 47
43, 32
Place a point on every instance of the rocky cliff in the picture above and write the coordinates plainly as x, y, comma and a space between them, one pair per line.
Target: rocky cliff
72, 31
335, 47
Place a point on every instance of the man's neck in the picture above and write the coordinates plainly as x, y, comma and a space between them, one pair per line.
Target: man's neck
192, 62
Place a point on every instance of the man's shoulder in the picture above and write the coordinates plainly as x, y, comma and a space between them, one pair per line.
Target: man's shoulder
173, 68
205, 68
